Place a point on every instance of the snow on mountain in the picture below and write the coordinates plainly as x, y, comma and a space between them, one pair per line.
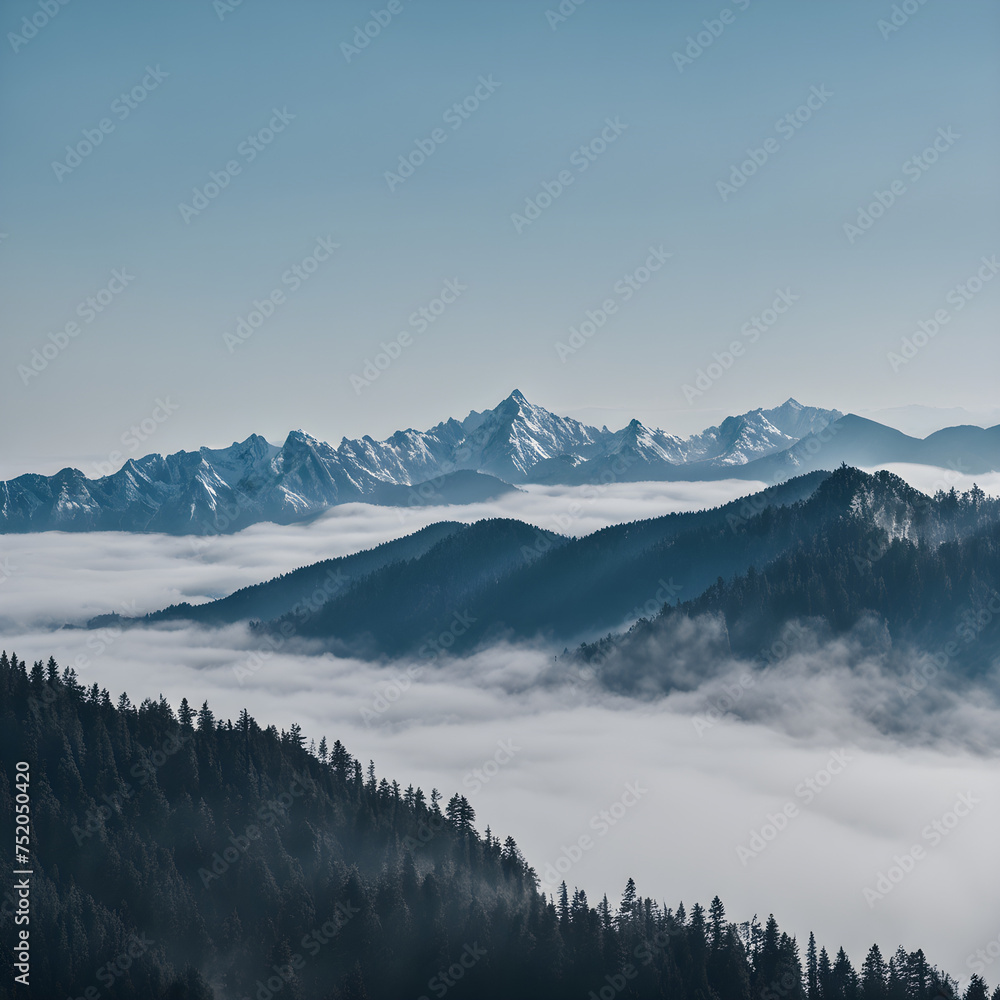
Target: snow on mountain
515, 436
225, 489
641, 444
741, 439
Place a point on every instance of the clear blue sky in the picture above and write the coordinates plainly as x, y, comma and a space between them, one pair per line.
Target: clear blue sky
655, 185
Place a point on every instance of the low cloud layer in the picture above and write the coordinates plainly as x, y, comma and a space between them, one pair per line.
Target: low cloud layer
59, 577
784, 798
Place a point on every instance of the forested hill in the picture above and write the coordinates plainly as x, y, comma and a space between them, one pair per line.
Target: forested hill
833, 547
922, 572
177, 856
506, 578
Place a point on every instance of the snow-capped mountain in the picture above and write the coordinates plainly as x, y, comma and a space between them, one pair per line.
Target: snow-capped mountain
741, 439
516, 442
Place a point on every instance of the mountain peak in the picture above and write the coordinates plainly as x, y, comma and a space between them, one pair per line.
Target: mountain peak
514, 401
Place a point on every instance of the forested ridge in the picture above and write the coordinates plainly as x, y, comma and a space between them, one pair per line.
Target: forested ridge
177, 855
834, 547
925, 571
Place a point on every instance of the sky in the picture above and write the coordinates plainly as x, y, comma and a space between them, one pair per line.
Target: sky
626, 170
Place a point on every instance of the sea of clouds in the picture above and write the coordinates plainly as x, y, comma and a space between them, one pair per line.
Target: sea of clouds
784, 793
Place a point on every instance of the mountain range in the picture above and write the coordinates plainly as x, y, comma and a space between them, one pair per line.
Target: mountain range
455, 462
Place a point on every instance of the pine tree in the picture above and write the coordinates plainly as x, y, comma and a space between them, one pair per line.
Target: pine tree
604, 912
976, 990
627, 909
874, 976
843, 979
206, 719
562, 906
823, 975
812, 970
717, 923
